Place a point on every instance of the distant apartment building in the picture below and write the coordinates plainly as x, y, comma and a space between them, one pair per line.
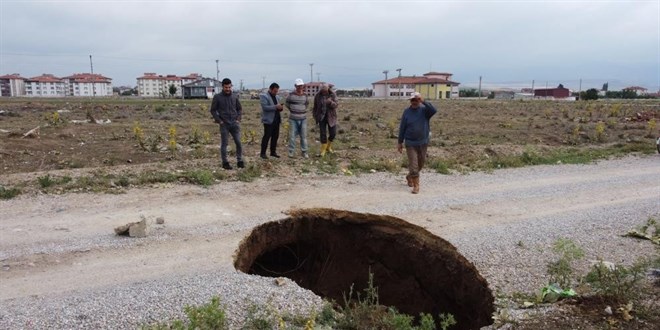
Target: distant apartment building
48, 85
432, 86
88, 84
312, 88
12, 85
639, 91
155, 85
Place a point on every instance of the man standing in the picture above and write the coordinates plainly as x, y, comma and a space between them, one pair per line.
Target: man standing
226, 110
414, 130
325, 114
270, 117
297, 104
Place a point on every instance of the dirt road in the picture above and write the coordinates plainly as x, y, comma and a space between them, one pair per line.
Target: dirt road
53, 244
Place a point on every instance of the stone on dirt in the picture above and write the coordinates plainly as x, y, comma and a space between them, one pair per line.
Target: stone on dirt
133, 229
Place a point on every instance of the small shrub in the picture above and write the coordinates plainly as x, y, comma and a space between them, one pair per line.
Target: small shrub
615, 281
561, 271
8, 193
45, 181
600, 131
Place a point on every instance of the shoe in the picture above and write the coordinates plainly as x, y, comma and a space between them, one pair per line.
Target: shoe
241, 164
291, 155
226, 166
305, 155
274, 155
264, 156
329, 149
415, 188
409, 180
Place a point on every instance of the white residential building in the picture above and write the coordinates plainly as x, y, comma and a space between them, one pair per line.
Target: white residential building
155, 85
87, 84
46, 85
12, 85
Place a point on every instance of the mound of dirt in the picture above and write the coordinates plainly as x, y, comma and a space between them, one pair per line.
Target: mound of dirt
327, 251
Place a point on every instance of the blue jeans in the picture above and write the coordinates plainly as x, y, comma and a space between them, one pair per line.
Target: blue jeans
297, 127
233, 129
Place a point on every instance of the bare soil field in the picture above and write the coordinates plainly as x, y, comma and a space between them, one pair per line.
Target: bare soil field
95, 164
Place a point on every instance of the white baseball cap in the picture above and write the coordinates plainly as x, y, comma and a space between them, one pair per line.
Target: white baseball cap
298, 82
414, 95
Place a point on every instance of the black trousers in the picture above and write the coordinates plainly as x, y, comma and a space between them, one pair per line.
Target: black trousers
272, 134
324, 128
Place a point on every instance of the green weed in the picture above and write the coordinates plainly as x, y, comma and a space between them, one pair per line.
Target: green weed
561, 271
9, 193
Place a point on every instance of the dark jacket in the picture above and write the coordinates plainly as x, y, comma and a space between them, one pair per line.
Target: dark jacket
226, 108
330, 109
268, 108
414, 127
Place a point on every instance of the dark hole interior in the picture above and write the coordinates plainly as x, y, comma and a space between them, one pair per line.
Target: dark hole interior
327, 251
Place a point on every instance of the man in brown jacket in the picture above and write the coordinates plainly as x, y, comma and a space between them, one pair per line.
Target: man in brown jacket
325, 115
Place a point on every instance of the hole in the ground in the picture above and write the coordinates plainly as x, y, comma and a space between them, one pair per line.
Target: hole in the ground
327, 251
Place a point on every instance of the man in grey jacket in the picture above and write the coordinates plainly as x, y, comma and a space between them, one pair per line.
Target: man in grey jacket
226, 110
270, 117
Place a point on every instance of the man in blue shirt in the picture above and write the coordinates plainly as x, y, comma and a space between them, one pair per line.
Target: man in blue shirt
414, 130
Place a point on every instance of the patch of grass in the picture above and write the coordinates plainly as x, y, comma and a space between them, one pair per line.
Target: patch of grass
439, 165
47, 180
211, 316
380, 165
250, 173
9, 193
156, 177
200, 177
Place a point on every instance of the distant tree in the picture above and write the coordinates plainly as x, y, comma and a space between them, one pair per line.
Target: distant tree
589, 94
468, 93
172, 90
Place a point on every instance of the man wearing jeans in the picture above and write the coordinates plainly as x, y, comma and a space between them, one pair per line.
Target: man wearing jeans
226, 110
414, 130
297, 104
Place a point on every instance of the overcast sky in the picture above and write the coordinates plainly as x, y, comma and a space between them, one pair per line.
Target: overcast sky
350, 43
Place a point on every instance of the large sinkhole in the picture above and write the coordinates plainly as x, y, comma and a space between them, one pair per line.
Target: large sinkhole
327, 251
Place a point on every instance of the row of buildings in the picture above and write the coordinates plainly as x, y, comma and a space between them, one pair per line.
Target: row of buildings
432, 85
47, 85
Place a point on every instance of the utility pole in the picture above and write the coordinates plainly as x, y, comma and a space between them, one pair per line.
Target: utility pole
386, 85
241, 85
580, 90
399, 82
91, 67
318, 76
263, 82
479, 86
217, 70
532, 88
311, 72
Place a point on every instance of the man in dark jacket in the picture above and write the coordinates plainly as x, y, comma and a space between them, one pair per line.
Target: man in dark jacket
414, 130
226, 110
270, 117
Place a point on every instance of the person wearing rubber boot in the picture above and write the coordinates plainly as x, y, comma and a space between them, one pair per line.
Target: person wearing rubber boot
414, 132
325, 115
270, 117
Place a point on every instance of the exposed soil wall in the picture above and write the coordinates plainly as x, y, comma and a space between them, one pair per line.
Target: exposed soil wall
327, 251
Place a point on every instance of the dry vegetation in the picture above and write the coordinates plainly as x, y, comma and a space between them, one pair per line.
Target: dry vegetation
136, 142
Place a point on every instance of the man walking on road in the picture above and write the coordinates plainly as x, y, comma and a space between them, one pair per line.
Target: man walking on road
414, 130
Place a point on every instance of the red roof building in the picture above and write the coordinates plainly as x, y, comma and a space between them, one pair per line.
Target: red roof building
12, 85
557, 93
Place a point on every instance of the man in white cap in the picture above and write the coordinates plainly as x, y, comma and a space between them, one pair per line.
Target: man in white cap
414, 130
297, 103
